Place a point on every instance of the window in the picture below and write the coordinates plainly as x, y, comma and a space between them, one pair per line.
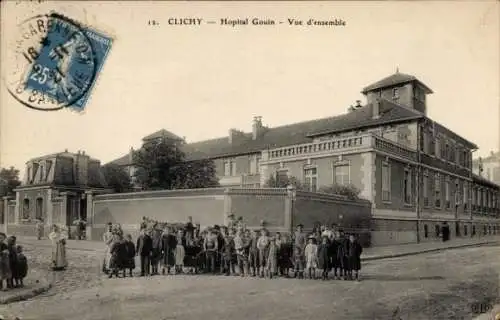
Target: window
39, 208
458, 195
281, 175
341, 174
26, 209
466, 194
35, 171
425, 190
444, 152
432, 145
457, 229
485, 229
229, 168
447, 193
489, 229
311, 179
386, 181
47, 170
465, 230
437, 190
253, 162
454, 157
474, 230
395, 93
426, 231
42, 172
437, 147
474, 196
422, 139
29, 175
407, 186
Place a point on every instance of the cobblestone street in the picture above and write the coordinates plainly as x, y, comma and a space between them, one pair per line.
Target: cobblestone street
444, 285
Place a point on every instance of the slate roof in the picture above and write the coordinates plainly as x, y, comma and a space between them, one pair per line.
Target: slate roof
392, 80
482, 180
162, 134
296, 133
122, 161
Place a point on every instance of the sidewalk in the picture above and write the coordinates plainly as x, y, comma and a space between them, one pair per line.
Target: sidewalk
377, 253
369, 254
30, 290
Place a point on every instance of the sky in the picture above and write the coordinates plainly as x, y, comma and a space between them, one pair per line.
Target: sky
200, 81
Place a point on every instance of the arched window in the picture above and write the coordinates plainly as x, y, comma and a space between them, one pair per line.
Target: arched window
26, 208
39, 208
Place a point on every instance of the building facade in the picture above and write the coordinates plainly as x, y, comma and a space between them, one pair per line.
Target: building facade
488, 168
54, 190
416, 173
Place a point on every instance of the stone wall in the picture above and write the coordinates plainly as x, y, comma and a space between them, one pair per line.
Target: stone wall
206, 206
274, 207
314, 208
257, 205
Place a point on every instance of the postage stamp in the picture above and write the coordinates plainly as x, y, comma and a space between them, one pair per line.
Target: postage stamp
57, 61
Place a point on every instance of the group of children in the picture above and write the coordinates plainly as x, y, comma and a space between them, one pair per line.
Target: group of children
13, 263
237, 251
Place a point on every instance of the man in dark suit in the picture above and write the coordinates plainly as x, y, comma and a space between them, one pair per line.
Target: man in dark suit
445, 232
144, 248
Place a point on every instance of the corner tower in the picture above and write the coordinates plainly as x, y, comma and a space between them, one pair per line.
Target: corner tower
401, 88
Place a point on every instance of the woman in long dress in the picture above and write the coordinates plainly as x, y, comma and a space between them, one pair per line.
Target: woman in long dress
39, 229
58, 239
108, 240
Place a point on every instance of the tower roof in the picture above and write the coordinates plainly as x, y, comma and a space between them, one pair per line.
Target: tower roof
393, 80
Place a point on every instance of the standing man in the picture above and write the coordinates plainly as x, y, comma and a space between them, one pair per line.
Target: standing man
300, 237
210, 246
144, 248
189, 230
156, 248
445, 231
108, 240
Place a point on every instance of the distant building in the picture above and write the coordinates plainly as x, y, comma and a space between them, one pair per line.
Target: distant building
416, 172
488, 168
54, 186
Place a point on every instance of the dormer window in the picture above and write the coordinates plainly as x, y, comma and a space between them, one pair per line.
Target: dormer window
395, 93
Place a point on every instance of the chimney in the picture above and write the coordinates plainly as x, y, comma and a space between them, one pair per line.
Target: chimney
131, 154
376, 109
66, 150
358, 104
231, 135
256, 127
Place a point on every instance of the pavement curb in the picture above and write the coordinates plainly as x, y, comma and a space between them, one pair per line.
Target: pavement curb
412, 253
25, 295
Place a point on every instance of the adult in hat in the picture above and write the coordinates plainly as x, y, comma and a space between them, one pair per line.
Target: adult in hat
300, 237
